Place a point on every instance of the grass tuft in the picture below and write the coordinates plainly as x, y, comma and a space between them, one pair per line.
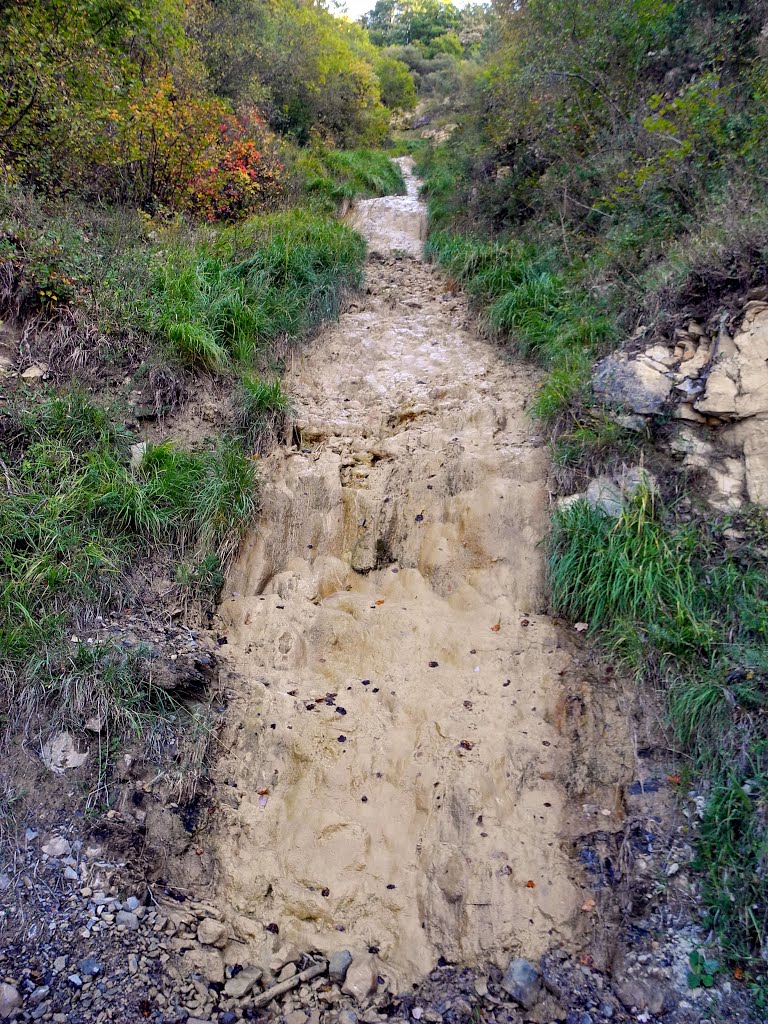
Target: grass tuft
676, 606
223, 300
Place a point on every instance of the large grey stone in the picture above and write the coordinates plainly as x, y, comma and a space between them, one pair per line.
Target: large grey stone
212, 933
243, 982
631, 383
338, 966
10, 1000
522, 982
361, 978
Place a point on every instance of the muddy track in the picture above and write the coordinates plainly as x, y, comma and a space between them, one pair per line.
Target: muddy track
411, 739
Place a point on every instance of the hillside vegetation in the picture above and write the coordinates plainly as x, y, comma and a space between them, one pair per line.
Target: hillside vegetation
607, 180
171, 175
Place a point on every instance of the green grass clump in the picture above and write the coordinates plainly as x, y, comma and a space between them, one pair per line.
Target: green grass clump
526, 301
222, 300
336, 175
77, 513
685, 612
261, 407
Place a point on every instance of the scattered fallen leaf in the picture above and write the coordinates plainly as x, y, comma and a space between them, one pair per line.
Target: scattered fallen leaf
380, 601
530, 884
588, 905
738, 973
525, 622
674, 780
581, 627
263, 792
433, 664
466, 744
496, 628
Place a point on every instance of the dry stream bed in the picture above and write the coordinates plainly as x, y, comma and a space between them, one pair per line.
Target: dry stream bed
420, 775
411, 740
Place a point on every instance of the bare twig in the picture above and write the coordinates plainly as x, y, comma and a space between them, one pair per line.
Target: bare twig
593, 85
289, 983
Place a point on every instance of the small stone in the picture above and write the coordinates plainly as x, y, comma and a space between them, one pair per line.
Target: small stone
127, 920
289, 971
347, 1017
57, 846
59, 964
132, 903
243, 982
207, 961
39, 994
522, 982
338, 965
89, 967
296, 1017
10, 1000
75, 981
35, 371
212, 933
230, 1017
361, 979
71, 875
133, 963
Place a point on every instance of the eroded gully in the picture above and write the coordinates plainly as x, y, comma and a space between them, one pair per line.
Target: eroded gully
411, 740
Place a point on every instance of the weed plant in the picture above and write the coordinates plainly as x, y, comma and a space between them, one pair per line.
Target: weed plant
75, 515
669, 601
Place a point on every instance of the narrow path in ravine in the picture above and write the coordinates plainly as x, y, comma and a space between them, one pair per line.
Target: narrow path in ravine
411, 741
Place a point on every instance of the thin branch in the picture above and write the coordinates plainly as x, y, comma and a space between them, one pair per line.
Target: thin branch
15, 124
593, 85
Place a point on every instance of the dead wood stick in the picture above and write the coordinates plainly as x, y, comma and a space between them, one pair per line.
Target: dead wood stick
289, 983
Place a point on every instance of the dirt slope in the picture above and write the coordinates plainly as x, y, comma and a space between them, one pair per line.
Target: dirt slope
408, 734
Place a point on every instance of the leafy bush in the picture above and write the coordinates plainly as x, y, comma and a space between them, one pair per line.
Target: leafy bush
398, 90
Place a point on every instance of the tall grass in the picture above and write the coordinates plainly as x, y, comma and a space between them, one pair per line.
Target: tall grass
525, 301
261, 407
683, 611
221, 301
76, 515
336, 175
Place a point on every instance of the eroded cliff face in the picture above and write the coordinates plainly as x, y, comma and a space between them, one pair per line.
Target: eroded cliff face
410, 741
713, 379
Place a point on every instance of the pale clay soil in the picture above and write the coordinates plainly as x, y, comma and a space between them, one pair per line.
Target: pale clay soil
410, 741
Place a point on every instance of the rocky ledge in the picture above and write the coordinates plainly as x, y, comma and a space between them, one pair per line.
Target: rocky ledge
714, 379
